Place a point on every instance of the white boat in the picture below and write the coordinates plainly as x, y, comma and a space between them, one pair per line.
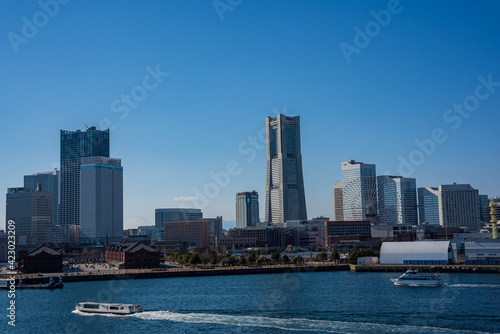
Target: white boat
108, 308
414, 278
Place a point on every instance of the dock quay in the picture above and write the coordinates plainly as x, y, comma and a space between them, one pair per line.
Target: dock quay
184, 272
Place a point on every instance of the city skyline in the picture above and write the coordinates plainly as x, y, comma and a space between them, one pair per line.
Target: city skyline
392, 105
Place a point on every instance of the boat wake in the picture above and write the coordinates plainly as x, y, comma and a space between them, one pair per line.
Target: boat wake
476, 285
292, 324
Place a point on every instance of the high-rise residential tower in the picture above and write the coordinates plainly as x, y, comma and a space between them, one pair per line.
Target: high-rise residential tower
359, 190
101, 198
285, 196
76, 145
338, 203
397, 200
428, 205
247, 209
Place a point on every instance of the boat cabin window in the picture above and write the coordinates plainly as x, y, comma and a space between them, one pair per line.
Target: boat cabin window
90, 306
114, 308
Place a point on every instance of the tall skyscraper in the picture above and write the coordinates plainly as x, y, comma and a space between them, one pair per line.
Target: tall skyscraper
397, 200
458, 206
76, 145
101, 198
359, 190
32, 212
46, 182
338, 203
428, 205
174, 214
247, 209
285, 196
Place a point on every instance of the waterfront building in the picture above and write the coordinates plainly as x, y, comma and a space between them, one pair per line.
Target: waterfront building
397, 200
42, 259
47, 182
76, 145
270, 236
428, 205
101, 198
346, 232
173, 214
194, 232
359, 191
133, 255
32, 212
458, 206
416, 252
392, 231
338, 204
285, 196
247, 209
484, 252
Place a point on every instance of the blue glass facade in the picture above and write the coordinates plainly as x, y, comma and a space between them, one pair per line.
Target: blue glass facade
397, 200
428, 205
247, 209
76, 145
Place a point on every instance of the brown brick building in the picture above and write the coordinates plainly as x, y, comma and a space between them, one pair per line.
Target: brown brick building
134, 255
347, 232
194, 232
42, 260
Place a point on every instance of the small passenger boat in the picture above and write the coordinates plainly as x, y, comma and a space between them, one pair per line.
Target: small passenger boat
414, 278
108, 308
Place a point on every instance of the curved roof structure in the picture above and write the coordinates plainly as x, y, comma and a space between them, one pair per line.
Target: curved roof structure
397, 252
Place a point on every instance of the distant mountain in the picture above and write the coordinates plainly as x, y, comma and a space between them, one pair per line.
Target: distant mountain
133, 222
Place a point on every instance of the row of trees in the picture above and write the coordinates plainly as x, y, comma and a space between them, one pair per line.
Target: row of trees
210, 256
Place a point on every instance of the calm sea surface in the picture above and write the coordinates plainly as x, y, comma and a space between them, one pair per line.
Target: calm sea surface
331, 302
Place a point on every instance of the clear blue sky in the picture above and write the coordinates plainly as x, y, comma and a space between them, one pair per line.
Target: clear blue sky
226, 76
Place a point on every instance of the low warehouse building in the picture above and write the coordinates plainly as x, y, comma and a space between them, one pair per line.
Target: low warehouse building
416, 252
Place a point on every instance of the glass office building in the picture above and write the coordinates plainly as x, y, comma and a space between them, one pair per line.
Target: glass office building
397, 200
76, 145
247, 209
428, 205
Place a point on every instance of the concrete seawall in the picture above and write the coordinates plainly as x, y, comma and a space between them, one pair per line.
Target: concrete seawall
143, 274
426, 268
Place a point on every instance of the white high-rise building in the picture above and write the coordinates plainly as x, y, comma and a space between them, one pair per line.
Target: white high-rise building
458, 206
101, 198
359, 191
397, 200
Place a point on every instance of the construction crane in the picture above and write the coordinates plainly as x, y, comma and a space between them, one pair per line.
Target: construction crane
493, 213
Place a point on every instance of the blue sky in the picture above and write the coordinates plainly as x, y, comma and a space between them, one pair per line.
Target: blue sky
227, 72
